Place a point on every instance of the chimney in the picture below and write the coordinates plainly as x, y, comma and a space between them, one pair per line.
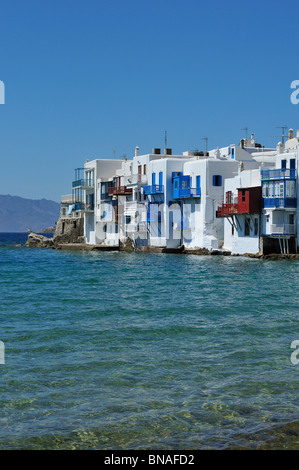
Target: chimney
136, 151
291, 133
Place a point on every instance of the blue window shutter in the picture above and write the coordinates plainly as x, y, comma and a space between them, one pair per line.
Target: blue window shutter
214, 180
198, 185
220, 180
160, 178
153, 179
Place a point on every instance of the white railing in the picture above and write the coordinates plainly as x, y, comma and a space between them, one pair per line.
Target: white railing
135, 179
282, 229
67, 199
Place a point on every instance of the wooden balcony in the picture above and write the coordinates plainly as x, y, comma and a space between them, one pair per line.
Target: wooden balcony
120, 191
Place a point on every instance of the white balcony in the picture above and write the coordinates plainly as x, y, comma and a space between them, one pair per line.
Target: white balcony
282, 229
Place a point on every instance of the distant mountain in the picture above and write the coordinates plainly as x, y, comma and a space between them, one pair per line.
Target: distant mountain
18, 214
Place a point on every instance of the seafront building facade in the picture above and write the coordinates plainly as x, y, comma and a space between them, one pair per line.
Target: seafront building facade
238, 199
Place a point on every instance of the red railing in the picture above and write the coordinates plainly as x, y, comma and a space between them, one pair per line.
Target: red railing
230, 209
119, 191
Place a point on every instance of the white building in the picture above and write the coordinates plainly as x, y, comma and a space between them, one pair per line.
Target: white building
241, 199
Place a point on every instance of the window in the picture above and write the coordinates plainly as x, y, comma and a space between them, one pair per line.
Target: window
283, 164
243, 195
229, 197
267, 218
290, 189
292, 163
128, 219
217, 180
144, 169
247, 227
184, 184
256, 226
291, 219
176, 185
233, 230
233, 153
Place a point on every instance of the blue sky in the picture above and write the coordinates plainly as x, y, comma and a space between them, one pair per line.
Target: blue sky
86, 77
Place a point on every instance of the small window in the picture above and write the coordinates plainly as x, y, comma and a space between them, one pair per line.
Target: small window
217, 180
184, 184
243, 195
292, 163
128, 219
175, 185
291, 219
233, 230
267, 218
75, 224
247, 227
256, 226
283, 164
144, 169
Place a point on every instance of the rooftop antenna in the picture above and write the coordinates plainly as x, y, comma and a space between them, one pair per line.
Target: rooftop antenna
283, 128
246, 130
206, 139
114, 153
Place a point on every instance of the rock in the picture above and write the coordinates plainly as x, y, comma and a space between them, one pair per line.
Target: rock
35, 240
126, 245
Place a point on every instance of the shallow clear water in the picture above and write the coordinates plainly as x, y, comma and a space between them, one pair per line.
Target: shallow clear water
146, 351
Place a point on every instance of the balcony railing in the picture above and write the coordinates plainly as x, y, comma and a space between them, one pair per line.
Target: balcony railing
232, 208
153, 189
279, 202
83, 183
282, 229
67, 199
278, 174
119, 191
186, 193
135, 179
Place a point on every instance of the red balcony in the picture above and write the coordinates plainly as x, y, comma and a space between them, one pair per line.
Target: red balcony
249, 202
120, 191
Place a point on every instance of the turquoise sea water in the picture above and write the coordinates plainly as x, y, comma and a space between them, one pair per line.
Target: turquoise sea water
146, 351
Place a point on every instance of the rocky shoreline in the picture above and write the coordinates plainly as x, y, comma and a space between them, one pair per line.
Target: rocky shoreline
39, 241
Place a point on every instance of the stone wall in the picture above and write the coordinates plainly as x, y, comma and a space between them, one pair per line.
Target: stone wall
69, 230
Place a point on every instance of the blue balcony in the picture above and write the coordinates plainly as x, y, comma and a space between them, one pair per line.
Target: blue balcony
280, 174
83, 184
182, 187
280, 202
186, 193
153, 189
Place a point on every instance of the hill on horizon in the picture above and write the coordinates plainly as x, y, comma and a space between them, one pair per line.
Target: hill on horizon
18, 214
